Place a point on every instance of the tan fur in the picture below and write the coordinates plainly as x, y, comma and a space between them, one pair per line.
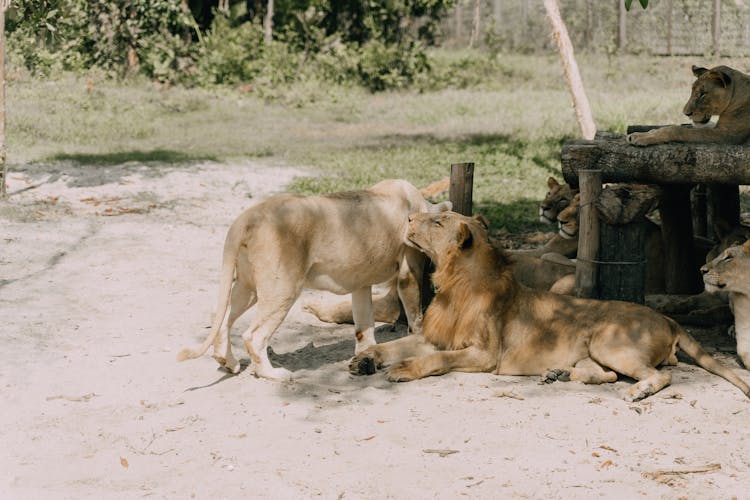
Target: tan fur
548, 272
730, 272
482, 320
343, 243
557, 198
719, 91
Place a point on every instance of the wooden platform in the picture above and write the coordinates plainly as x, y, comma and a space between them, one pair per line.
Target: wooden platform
675, 168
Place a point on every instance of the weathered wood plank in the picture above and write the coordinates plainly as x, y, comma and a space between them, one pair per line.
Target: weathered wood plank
659, 164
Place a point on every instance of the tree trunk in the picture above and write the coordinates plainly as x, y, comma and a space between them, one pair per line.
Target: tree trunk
716, 26
3, 150
475, 24
268, 22
622, 26
570, 68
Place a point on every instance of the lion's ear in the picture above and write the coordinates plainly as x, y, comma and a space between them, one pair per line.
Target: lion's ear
481, 219
464, 237
721, 228
698, 71
746, 246
552, 182
722, 77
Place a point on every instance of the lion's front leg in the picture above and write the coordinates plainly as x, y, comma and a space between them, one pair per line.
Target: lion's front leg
472, 359
371, 359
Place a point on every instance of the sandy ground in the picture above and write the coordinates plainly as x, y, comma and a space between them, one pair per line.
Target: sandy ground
105, 273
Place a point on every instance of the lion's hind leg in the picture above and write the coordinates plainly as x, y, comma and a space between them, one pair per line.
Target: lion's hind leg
242, 299
632, 362
586, 371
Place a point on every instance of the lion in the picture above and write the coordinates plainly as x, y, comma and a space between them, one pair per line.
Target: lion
483, 320
730, 272
557, 198
551, 272
720, 91
343, 243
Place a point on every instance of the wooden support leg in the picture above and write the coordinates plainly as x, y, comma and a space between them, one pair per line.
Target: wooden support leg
590, 183
724, 204
461, 196
699, 207
680, 271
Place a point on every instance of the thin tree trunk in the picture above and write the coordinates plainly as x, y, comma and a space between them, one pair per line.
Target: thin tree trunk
570, 68
475, 24
716, 26
3, 150
459, 20
268, 22
622, 26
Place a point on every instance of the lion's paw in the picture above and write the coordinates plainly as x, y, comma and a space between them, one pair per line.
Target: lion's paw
362, 364
554, 375
638, 139
638, 391
401, 372
231, 365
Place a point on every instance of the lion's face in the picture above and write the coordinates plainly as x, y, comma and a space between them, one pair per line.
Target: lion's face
440, 234
568, 219
730, 271
557, 199
710, 95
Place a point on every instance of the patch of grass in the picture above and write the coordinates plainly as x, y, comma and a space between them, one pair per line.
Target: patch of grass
508, 115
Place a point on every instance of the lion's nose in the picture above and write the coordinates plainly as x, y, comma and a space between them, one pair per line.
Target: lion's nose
704, 269
411, 217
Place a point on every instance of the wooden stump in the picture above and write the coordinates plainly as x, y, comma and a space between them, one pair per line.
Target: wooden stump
621, 264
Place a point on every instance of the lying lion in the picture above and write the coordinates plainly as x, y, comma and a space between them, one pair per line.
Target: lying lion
343, 243
719, 91
730, 272
482, 320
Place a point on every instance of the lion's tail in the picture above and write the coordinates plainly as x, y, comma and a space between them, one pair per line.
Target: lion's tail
693, 349
228, 265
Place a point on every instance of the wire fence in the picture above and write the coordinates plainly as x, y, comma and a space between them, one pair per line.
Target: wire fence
666, 27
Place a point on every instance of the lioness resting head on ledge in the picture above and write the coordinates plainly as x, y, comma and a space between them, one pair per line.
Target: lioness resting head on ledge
719, 91
482, 320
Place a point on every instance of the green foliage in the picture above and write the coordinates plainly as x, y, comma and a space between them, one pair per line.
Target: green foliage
628, 3
373, 43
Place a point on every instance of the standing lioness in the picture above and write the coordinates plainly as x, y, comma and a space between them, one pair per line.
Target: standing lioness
342, 243
482, 320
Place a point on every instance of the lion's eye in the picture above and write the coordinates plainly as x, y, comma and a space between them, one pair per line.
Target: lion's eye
727, 258
438, 223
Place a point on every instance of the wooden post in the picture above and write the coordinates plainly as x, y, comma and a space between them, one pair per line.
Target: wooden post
681, 275
460, 195
621, 261
461, 187
724, 203
590, 184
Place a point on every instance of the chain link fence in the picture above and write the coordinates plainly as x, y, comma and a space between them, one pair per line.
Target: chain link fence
666, 27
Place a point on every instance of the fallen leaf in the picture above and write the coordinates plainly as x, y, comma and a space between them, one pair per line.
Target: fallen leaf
443, 452
508, 394
124, 462
368, 438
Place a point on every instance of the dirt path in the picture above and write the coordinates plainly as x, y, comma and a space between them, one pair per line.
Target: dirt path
107, 273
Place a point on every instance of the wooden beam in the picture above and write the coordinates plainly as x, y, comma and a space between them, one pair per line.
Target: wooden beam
658, 164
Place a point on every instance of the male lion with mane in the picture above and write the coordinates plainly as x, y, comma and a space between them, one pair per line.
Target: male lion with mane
482, 320
343, 243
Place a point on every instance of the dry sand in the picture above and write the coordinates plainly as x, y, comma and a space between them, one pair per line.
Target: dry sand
105, 273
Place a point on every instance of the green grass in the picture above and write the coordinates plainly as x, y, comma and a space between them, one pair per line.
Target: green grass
509, 116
